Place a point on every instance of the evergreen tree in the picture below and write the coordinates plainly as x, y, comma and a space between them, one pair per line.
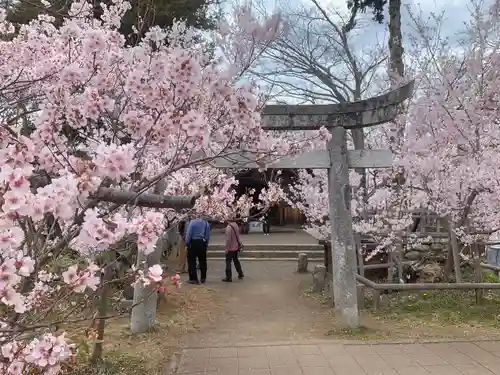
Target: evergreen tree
396, 50
377, 7
201, 14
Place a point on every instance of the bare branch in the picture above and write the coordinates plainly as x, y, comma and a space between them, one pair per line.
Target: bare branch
314, 58
143, 200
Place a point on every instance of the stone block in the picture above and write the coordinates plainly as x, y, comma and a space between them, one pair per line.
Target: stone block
413, 255
319, 278
128, 292
422, 248
302, 263
437, 246
255, 227
431, 273
493, 257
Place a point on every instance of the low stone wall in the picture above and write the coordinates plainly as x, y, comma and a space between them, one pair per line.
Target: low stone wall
435, 248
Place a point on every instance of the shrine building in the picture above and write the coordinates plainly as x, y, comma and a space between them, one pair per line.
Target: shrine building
281, 214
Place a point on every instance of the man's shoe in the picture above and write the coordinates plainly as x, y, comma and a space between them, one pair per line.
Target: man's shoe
226, 280
203, 281
194, 282
241, 277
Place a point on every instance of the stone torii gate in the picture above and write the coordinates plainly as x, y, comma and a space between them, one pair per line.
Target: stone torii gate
338, 118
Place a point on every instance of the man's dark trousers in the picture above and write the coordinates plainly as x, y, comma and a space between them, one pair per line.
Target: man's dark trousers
266, 226
197, 250
232, 256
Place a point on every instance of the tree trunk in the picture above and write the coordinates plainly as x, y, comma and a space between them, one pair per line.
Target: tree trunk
102, 310
397, 68
448, 268
455, 251
143, 317
396, 64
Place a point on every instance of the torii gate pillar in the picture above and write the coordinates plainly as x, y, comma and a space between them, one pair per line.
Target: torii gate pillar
342, 236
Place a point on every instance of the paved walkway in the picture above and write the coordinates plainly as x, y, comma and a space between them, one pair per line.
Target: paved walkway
458, 358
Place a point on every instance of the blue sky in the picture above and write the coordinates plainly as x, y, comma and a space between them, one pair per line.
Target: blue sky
369, 34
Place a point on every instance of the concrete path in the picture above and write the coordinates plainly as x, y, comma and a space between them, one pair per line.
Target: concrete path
459, 358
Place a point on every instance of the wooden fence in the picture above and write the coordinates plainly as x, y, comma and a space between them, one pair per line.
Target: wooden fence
425, 225
377, 288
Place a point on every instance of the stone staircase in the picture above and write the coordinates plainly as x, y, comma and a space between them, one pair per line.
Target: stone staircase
269, 252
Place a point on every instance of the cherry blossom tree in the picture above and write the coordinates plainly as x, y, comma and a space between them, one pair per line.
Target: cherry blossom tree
82, 114
451, 153
446, 160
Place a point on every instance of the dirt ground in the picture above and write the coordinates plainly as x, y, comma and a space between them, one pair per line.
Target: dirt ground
272, 304
266, 306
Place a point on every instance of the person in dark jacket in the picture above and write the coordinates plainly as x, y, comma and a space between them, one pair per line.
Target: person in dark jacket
266, 225
197, 238
181, 266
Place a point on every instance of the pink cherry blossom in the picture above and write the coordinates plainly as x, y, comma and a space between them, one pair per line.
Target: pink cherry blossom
25, 266
155, 273
16, 368
11, 297
79, 280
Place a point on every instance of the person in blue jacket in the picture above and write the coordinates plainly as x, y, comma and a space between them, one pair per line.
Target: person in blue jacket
197, 238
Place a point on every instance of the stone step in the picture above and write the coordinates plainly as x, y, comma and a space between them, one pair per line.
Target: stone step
298, 248
266, 254
246, 259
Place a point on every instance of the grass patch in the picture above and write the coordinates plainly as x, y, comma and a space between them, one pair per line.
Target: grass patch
183, 312
115, 364
491, 277
362, 333
439, 307
422, 315
322, 298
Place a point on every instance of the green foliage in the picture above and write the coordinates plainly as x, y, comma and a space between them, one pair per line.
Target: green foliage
201, 14
490, 277
84, 351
